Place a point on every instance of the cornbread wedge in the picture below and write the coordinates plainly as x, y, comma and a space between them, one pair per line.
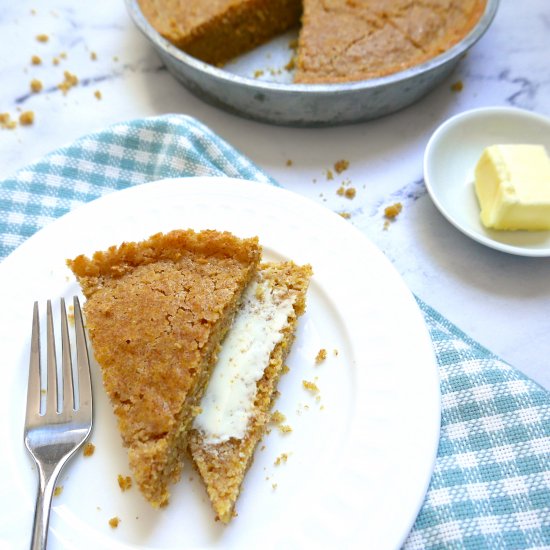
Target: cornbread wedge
236, 406
156, 312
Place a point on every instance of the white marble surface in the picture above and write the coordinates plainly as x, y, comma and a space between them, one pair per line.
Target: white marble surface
503, 301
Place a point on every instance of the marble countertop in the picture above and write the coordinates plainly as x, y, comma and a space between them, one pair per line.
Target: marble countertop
500, 300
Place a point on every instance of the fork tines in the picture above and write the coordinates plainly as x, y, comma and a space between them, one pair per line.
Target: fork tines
70, 404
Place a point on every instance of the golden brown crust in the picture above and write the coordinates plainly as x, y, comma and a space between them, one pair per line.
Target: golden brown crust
216, 31
156, 312
348, 40
340, 40
223, 466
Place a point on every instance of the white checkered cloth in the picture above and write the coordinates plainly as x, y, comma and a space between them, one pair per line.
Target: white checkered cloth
491, 483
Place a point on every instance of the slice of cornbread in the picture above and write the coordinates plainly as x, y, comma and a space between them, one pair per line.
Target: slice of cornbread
512, 184
156, 312
216, 31
236, 406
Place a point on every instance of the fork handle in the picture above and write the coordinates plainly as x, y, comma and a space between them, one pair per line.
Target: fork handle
47, 476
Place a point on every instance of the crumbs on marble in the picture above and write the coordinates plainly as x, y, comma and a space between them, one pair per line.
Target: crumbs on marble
391, 212
70, 80
330, 175
97, 95
6, 122
42, 37
285, 428
36, 85
58, 490
88, 450
348, 192
345, 215
341, 165
26, 118
457, 86
36, 60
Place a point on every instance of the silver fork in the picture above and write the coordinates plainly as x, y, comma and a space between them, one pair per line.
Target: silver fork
53, 436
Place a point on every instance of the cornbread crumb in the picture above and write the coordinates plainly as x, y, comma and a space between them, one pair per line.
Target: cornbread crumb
89, 449
6, 121
289, 162
124, 483
26, 118
457, 86
285, 369
285, 428
392, 211
335, 352
70, 81
42, 37
36, 60
55, 60
310, 386
350, 193
321, 356
113, 522
341, 165
36, 85
58, 490
97, 94
93, 56
345, 215
291, 65
258, 73
274, 486
330, 175
281, 459
63, 55
277, 417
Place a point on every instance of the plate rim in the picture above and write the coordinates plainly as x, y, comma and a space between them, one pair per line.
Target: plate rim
337, 219
435, 139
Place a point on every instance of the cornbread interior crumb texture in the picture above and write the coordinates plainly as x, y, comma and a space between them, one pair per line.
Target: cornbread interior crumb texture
223, 466
339, 41
156, 312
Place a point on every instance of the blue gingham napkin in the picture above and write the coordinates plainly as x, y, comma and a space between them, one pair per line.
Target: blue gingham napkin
491, 483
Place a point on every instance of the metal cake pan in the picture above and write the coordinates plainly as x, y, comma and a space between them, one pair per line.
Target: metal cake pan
235, 89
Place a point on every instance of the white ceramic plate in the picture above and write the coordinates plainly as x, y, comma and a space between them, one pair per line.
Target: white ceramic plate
360, 457
449, 162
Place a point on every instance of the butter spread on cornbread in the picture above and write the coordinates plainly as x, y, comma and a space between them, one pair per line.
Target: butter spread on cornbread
224, 449
156, 312
512, 184
228, 402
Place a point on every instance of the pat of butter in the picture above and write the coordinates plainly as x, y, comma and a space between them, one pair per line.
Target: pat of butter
512, 184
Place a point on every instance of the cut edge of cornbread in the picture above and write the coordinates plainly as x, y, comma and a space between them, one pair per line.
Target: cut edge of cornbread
223, 466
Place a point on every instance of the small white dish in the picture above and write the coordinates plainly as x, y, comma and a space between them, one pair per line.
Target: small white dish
449, 162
